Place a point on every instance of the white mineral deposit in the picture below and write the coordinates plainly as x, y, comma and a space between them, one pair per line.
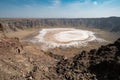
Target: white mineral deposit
65, 37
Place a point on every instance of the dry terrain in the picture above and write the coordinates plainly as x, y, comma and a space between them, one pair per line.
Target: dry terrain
21, 59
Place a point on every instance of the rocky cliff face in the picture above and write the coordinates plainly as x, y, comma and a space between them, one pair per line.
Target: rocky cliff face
111, 23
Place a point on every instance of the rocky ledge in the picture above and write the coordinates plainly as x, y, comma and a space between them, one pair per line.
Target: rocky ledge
97, 64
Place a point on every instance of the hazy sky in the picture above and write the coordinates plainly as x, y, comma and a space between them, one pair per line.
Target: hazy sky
59, 8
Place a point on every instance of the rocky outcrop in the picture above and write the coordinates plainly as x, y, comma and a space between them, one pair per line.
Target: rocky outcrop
20, 61
111, 23
97, 64
10, 45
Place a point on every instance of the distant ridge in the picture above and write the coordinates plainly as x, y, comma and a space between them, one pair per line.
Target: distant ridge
110, 23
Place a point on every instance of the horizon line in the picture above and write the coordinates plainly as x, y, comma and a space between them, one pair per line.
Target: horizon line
54, 17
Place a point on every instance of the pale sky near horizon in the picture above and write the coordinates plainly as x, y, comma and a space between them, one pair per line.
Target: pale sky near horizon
59, 8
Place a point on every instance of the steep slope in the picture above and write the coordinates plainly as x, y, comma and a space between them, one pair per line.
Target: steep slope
100, 64
21, 61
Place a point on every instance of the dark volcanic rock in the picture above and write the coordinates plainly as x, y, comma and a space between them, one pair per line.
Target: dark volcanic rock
101, 64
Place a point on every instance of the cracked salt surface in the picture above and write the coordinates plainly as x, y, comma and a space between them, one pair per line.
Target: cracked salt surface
65, 37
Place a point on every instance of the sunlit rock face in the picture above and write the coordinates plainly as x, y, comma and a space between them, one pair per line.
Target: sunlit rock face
65, 37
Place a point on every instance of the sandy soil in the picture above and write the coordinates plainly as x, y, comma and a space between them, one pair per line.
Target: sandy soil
23, 34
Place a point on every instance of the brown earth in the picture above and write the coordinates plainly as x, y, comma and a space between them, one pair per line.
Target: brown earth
23, 60
20, 61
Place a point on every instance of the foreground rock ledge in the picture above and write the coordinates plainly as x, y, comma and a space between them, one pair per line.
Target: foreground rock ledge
100, 64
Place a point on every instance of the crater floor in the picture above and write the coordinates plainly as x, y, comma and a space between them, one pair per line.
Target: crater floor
65, 37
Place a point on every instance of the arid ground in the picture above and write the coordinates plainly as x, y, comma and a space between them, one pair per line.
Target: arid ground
22, 59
